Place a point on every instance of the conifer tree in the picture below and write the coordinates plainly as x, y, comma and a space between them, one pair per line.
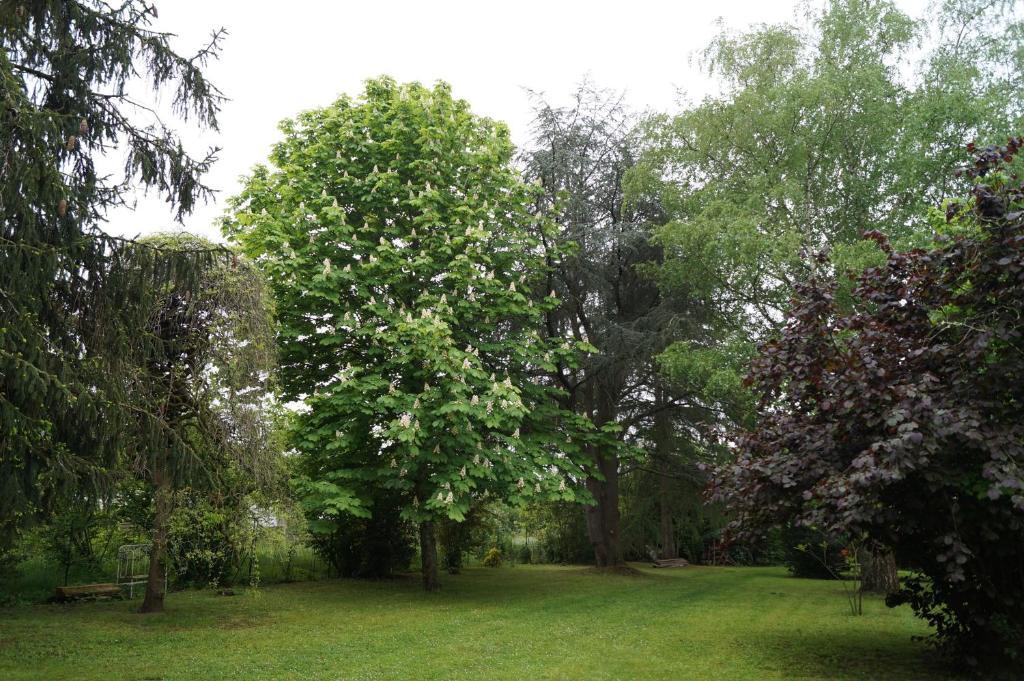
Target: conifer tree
74, 304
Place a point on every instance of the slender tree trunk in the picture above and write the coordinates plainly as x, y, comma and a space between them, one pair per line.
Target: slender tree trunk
878, 572
154, 599
428, 557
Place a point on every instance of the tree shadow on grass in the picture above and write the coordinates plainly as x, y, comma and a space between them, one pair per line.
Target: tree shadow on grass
851, 656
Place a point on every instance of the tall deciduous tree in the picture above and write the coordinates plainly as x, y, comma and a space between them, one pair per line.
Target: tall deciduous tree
821, 131
410, 277
72, 320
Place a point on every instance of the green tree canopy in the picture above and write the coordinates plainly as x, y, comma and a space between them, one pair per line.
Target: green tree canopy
821, 131
410, 279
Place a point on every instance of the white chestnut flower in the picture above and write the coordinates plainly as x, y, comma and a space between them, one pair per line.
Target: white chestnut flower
405, 420
520, 483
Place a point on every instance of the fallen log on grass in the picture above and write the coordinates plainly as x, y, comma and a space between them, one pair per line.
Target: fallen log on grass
670, 563
84, 591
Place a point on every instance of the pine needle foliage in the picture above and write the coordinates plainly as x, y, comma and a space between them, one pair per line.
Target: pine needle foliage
75, 304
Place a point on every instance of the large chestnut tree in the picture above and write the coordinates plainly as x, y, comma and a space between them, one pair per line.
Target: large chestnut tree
409, 274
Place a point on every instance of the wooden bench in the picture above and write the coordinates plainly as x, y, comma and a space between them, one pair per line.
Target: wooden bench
84, 591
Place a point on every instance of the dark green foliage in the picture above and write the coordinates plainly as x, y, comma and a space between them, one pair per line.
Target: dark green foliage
811, 554
580, 155
561, 535
67, 539
899, 421
75, 307
456, 539
369, 548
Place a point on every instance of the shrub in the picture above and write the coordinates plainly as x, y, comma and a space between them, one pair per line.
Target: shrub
207, 539
492, 558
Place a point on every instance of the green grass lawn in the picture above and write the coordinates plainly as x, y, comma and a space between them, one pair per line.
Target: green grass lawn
507, 623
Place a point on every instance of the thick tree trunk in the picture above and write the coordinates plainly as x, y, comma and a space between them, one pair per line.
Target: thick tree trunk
428, 557
603, 516
878, 572
154, 599
663, 445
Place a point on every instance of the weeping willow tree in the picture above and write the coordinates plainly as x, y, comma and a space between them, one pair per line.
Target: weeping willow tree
202, 390
76, 305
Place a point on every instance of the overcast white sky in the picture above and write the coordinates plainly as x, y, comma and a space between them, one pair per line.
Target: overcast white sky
283, 57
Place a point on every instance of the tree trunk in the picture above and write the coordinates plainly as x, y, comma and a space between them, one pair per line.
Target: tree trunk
662, 448
878, 572
603, 516
666, 528
428, 556
154, 599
